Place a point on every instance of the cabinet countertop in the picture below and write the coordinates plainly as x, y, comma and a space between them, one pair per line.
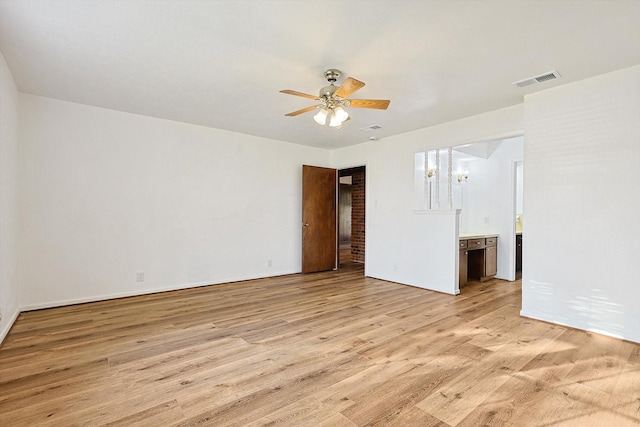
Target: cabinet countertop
476, 236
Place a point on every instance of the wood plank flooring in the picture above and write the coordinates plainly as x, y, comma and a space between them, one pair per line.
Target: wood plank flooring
326, 349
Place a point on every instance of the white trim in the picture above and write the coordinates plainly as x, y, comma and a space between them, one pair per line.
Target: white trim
511, 270
7, 328
577, 325
436, 211
495, 137
413, 285
367, 231
140, 292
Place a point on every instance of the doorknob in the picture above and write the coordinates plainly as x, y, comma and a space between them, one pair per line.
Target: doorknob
304, 224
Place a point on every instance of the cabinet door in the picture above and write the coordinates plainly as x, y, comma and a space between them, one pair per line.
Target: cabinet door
491, 261
462, 280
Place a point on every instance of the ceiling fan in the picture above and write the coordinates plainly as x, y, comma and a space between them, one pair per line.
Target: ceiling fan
334, 98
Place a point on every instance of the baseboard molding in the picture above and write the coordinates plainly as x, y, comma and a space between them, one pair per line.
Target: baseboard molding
421, 286
9, 325
139, 292
575, 325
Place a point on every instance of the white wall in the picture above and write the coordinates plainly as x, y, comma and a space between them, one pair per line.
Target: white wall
104, 194
401, 245
9, 290
582, 196
108, 194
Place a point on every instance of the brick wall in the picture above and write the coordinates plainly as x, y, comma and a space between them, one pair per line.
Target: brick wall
357, 215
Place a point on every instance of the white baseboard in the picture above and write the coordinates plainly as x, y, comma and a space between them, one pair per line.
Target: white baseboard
575, 325
138, 292
428, 287
7, 328
61, 303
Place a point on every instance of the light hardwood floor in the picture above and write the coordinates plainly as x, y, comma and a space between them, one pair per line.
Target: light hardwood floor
326, 349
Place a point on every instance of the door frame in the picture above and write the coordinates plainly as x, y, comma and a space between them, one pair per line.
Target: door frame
366, 192
514, 180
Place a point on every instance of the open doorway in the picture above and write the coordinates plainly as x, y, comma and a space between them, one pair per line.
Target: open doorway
519, 218
351, 216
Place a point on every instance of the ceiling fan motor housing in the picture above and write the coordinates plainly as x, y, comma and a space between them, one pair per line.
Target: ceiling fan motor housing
327, 91
332, 76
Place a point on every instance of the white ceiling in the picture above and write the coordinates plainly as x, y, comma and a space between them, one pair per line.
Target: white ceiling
221, 63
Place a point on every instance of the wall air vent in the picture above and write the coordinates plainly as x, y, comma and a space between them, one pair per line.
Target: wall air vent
551, 75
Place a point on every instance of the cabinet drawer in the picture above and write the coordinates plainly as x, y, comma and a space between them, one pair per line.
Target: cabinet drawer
492, 241
463, 244
475, 243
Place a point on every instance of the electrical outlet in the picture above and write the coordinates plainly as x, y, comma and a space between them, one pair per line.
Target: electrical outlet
269, 263
140, 276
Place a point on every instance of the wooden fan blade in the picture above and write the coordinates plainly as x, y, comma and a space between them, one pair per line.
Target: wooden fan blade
380, 104
296, 93
348, 87
304, 110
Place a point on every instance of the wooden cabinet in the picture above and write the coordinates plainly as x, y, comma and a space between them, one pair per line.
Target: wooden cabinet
490, 261
478, 258
473, 244
462, 280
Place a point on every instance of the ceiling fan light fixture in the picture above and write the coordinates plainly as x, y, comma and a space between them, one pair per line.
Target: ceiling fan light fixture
341, 114
321, 117
332, 98
335, 121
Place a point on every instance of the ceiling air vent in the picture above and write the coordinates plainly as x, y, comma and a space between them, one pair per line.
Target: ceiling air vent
371, 128
551, 75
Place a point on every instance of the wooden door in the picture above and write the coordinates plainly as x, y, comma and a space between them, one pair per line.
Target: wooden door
319, 231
